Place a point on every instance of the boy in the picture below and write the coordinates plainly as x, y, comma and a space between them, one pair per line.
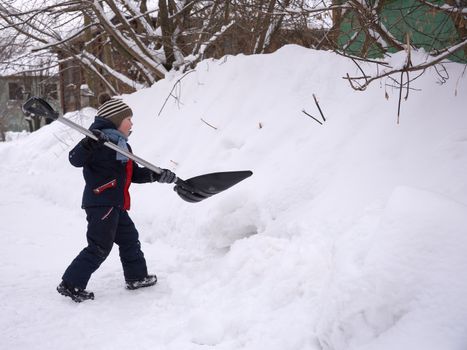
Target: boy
106, 200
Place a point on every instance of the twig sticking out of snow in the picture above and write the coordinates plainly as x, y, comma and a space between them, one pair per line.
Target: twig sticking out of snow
177, 83
308, 114
205, 122
319, 108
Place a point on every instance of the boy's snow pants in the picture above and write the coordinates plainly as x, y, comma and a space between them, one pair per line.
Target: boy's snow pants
107, 225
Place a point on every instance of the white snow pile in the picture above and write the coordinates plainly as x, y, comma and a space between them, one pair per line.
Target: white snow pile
350, 235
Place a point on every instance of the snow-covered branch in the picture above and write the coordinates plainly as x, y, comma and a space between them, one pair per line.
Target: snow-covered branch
154, 65
447, 8
362, 82
112, 72
311, 10
56, 44
190, 60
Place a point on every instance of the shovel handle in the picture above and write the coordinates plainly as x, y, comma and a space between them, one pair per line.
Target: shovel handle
40, 107
110, 145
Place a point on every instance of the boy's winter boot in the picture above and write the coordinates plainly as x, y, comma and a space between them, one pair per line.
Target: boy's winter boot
147, 281
76, 294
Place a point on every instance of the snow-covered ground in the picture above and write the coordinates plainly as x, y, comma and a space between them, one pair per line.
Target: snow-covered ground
349, 235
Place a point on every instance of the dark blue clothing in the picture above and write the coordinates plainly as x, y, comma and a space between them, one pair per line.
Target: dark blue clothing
107, 225
105, 200
105, 176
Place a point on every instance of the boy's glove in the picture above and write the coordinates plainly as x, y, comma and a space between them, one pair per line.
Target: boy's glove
166, 176
92, 144
101, 137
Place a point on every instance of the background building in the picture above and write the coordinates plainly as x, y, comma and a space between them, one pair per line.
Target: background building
15, 89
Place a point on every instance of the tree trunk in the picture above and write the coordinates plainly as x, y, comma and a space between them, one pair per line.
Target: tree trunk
166, 34
90, 78
264, 26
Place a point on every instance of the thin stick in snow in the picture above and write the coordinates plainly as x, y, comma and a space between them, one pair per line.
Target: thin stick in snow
319, 108
173, 87
400, 97
205, 122
305, 112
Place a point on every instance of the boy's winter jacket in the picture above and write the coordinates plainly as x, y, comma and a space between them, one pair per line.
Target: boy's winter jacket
107, 178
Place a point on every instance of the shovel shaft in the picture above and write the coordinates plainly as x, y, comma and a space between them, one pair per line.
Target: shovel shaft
192, 190
110, 145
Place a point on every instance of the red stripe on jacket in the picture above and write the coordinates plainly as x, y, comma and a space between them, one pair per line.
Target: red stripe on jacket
126, 192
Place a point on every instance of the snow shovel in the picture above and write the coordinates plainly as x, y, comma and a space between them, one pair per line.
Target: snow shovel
192, 190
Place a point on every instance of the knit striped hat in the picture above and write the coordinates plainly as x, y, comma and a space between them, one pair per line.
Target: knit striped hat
113, 109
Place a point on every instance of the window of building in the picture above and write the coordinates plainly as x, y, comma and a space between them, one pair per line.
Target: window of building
15, 91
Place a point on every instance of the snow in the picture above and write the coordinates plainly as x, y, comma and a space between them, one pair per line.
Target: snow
349, 235
12, 135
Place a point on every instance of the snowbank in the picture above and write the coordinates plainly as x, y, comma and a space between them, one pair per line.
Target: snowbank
349, 235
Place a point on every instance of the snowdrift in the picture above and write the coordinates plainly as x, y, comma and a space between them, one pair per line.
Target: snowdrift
349, 235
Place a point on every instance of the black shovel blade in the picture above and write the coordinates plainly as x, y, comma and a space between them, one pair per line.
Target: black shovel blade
204, 186
40, 108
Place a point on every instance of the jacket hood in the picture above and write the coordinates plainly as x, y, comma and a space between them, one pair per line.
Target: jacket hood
102, 123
